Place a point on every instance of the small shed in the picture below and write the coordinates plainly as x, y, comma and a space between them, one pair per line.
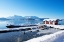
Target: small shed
50, 21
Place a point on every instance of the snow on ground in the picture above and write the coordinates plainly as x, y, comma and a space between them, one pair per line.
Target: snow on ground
56, 26
48, 31
56, 37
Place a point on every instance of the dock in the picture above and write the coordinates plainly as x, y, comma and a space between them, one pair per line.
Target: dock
17, 29
35, 28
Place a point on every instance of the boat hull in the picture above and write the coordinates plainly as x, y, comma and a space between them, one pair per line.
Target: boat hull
13, 26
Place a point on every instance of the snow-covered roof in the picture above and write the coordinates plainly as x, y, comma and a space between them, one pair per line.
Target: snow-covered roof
49, 19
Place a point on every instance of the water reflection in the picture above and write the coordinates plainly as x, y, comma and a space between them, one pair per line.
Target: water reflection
22, 22
17, 36
3, 24
17, 22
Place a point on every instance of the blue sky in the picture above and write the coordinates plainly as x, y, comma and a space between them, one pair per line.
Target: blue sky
40, 8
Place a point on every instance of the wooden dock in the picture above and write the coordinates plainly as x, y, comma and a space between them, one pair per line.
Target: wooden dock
17, 29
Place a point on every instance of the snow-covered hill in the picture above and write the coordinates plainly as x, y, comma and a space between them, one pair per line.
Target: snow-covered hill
56, 37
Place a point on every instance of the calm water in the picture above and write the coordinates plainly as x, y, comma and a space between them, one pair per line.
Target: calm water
18, 36
17, 22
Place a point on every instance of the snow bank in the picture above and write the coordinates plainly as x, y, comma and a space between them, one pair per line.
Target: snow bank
55, 26
56, 37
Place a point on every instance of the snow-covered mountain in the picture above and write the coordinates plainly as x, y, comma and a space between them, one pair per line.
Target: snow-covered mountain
34, 17
43, 18
31, 17
24, 18
15, 17
4, 19
20, 17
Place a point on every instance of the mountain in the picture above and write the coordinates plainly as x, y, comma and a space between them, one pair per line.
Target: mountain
25, 17
31, 17
15, 17
34, 17
61, 19
4, 19
43, 18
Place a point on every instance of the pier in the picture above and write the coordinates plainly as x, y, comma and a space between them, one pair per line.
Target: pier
19, 29
33, 28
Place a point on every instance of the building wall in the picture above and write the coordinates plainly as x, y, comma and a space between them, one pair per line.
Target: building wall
51, 22
47, 22
43, 22
56, 22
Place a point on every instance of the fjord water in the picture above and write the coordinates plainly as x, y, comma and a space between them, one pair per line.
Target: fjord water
3, 24
18, 36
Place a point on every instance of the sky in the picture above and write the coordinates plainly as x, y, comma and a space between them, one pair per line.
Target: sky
39, 8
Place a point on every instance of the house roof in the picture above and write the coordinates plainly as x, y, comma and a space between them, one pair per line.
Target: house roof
49, 19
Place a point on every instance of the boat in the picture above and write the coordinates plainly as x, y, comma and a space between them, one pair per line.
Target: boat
12, 26
16, 26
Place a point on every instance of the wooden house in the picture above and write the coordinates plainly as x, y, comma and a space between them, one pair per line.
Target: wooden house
50, 21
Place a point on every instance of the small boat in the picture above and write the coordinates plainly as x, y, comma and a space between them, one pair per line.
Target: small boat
16, 26
12, 26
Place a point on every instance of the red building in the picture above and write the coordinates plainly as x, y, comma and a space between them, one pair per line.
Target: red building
50, 21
